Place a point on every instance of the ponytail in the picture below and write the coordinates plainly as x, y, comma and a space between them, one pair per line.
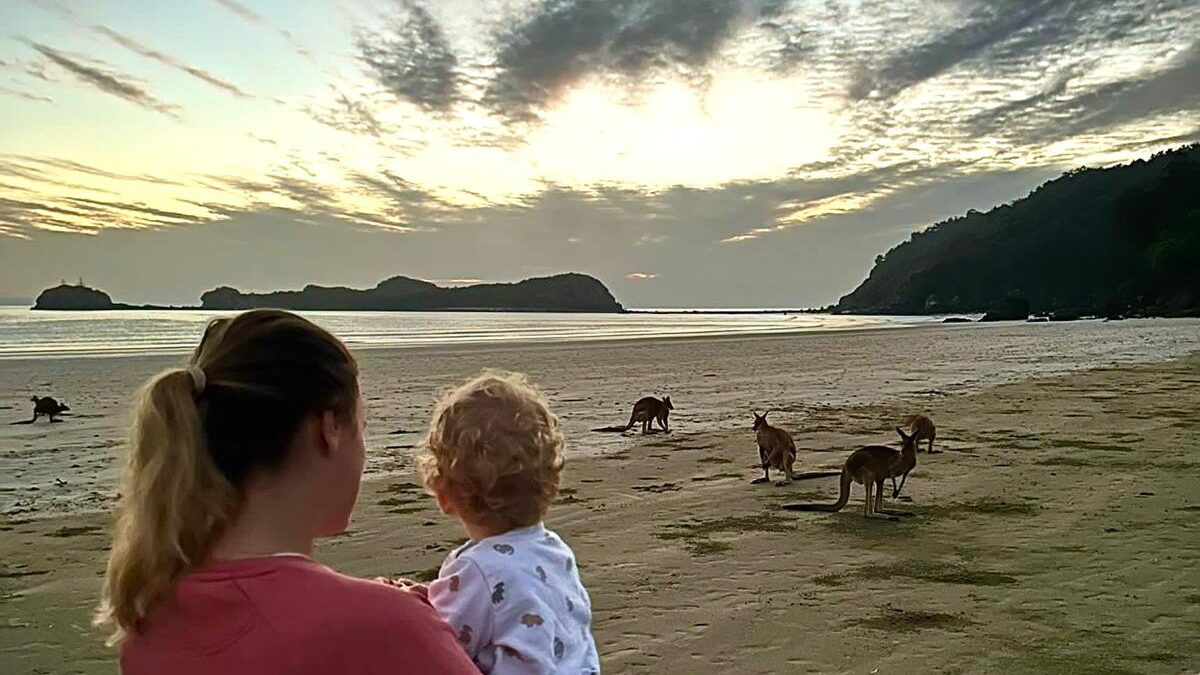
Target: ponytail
199, 433
174, 502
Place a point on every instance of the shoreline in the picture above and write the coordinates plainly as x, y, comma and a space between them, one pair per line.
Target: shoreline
366, 331
531, 344
1032, 530
714, 380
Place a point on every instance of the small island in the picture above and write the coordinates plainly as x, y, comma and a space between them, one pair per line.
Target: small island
570, 292
74, 297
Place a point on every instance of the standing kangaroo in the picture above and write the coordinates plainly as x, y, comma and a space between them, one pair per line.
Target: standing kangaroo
923, 429
47, 406
649, 409
776, 450
870, 466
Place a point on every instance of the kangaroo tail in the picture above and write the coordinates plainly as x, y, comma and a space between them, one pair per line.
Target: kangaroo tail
632, 420
843, 497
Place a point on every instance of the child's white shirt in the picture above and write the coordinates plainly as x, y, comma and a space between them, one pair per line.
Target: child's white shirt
517, 604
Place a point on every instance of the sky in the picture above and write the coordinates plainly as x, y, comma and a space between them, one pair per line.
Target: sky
689, 153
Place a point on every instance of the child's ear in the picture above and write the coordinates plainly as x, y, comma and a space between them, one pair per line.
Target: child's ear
445, 503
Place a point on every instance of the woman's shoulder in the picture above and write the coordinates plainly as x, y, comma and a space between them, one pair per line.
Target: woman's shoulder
296, 587
323, 614
268, 613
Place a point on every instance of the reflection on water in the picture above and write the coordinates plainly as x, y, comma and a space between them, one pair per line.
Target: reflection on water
27, 334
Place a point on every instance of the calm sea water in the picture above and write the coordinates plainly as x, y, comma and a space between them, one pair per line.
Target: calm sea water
28, 334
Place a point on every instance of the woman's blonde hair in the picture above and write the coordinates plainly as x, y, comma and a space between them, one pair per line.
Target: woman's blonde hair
198, 433
496, 449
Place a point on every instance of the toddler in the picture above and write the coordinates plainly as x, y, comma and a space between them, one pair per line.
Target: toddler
512, 593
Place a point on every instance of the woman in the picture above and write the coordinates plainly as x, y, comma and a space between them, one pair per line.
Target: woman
236, 465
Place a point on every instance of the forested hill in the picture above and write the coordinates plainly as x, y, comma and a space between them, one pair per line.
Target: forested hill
558, 293
1121, 240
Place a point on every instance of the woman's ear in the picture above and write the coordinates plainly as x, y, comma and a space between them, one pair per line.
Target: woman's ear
329, 423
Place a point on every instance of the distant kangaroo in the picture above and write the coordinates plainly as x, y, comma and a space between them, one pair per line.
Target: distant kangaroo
870, 466
776, 450
649, 409
47, 406
923, 429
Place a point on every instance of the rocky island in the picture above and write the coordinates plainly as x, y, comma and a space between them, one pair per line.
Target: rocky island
76, 297
560, 293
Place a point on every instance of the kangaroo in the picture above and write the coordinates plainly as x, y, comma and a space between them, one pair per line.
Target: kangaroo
871, 465
47, 406
648, 410
923, 429
776, 450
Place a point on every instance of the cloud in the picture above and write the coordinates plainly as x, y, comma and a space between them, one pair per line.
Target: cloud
255, 19
111, 83
560, 42
987, 25
1171, 89
412, 59
79, 167
28, 96
405, 208
641, 276
797, 201
243, 12
995, 118
37, 70
350, 116
1052, 114
168, 60
54, 6
83, 215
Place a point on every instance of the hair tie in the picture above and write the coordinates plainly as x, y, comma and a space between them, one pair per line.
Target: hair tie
198, 379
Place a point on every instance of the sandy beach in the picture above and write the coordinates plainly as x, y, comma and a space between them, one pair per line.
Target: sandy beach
1056, 533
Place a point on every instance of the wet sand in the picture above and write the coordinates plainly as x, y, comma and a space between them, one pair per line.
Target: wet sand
1056, 534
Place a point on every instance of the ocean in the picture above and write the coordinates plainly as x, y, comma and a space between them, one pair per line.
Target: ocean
28, 334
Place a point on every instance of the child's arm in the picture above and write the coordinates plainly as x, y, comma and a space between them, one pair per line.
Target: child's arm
462, 598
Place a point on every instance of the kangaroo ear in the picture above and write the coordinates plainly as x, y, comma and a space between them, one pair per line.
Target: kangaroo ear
902, 434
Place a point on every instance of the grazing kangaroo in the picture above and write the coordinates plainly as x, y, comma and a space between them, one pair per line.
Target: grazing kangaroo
649, 409
776, 450
47, 406
870, 466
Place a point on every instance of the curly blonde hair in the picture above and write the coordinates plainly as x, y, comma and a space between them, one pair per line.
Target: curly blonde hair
495, 449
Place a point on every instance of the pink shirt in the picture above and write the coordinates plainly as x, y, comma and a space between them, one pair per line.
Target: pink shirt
290, 615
